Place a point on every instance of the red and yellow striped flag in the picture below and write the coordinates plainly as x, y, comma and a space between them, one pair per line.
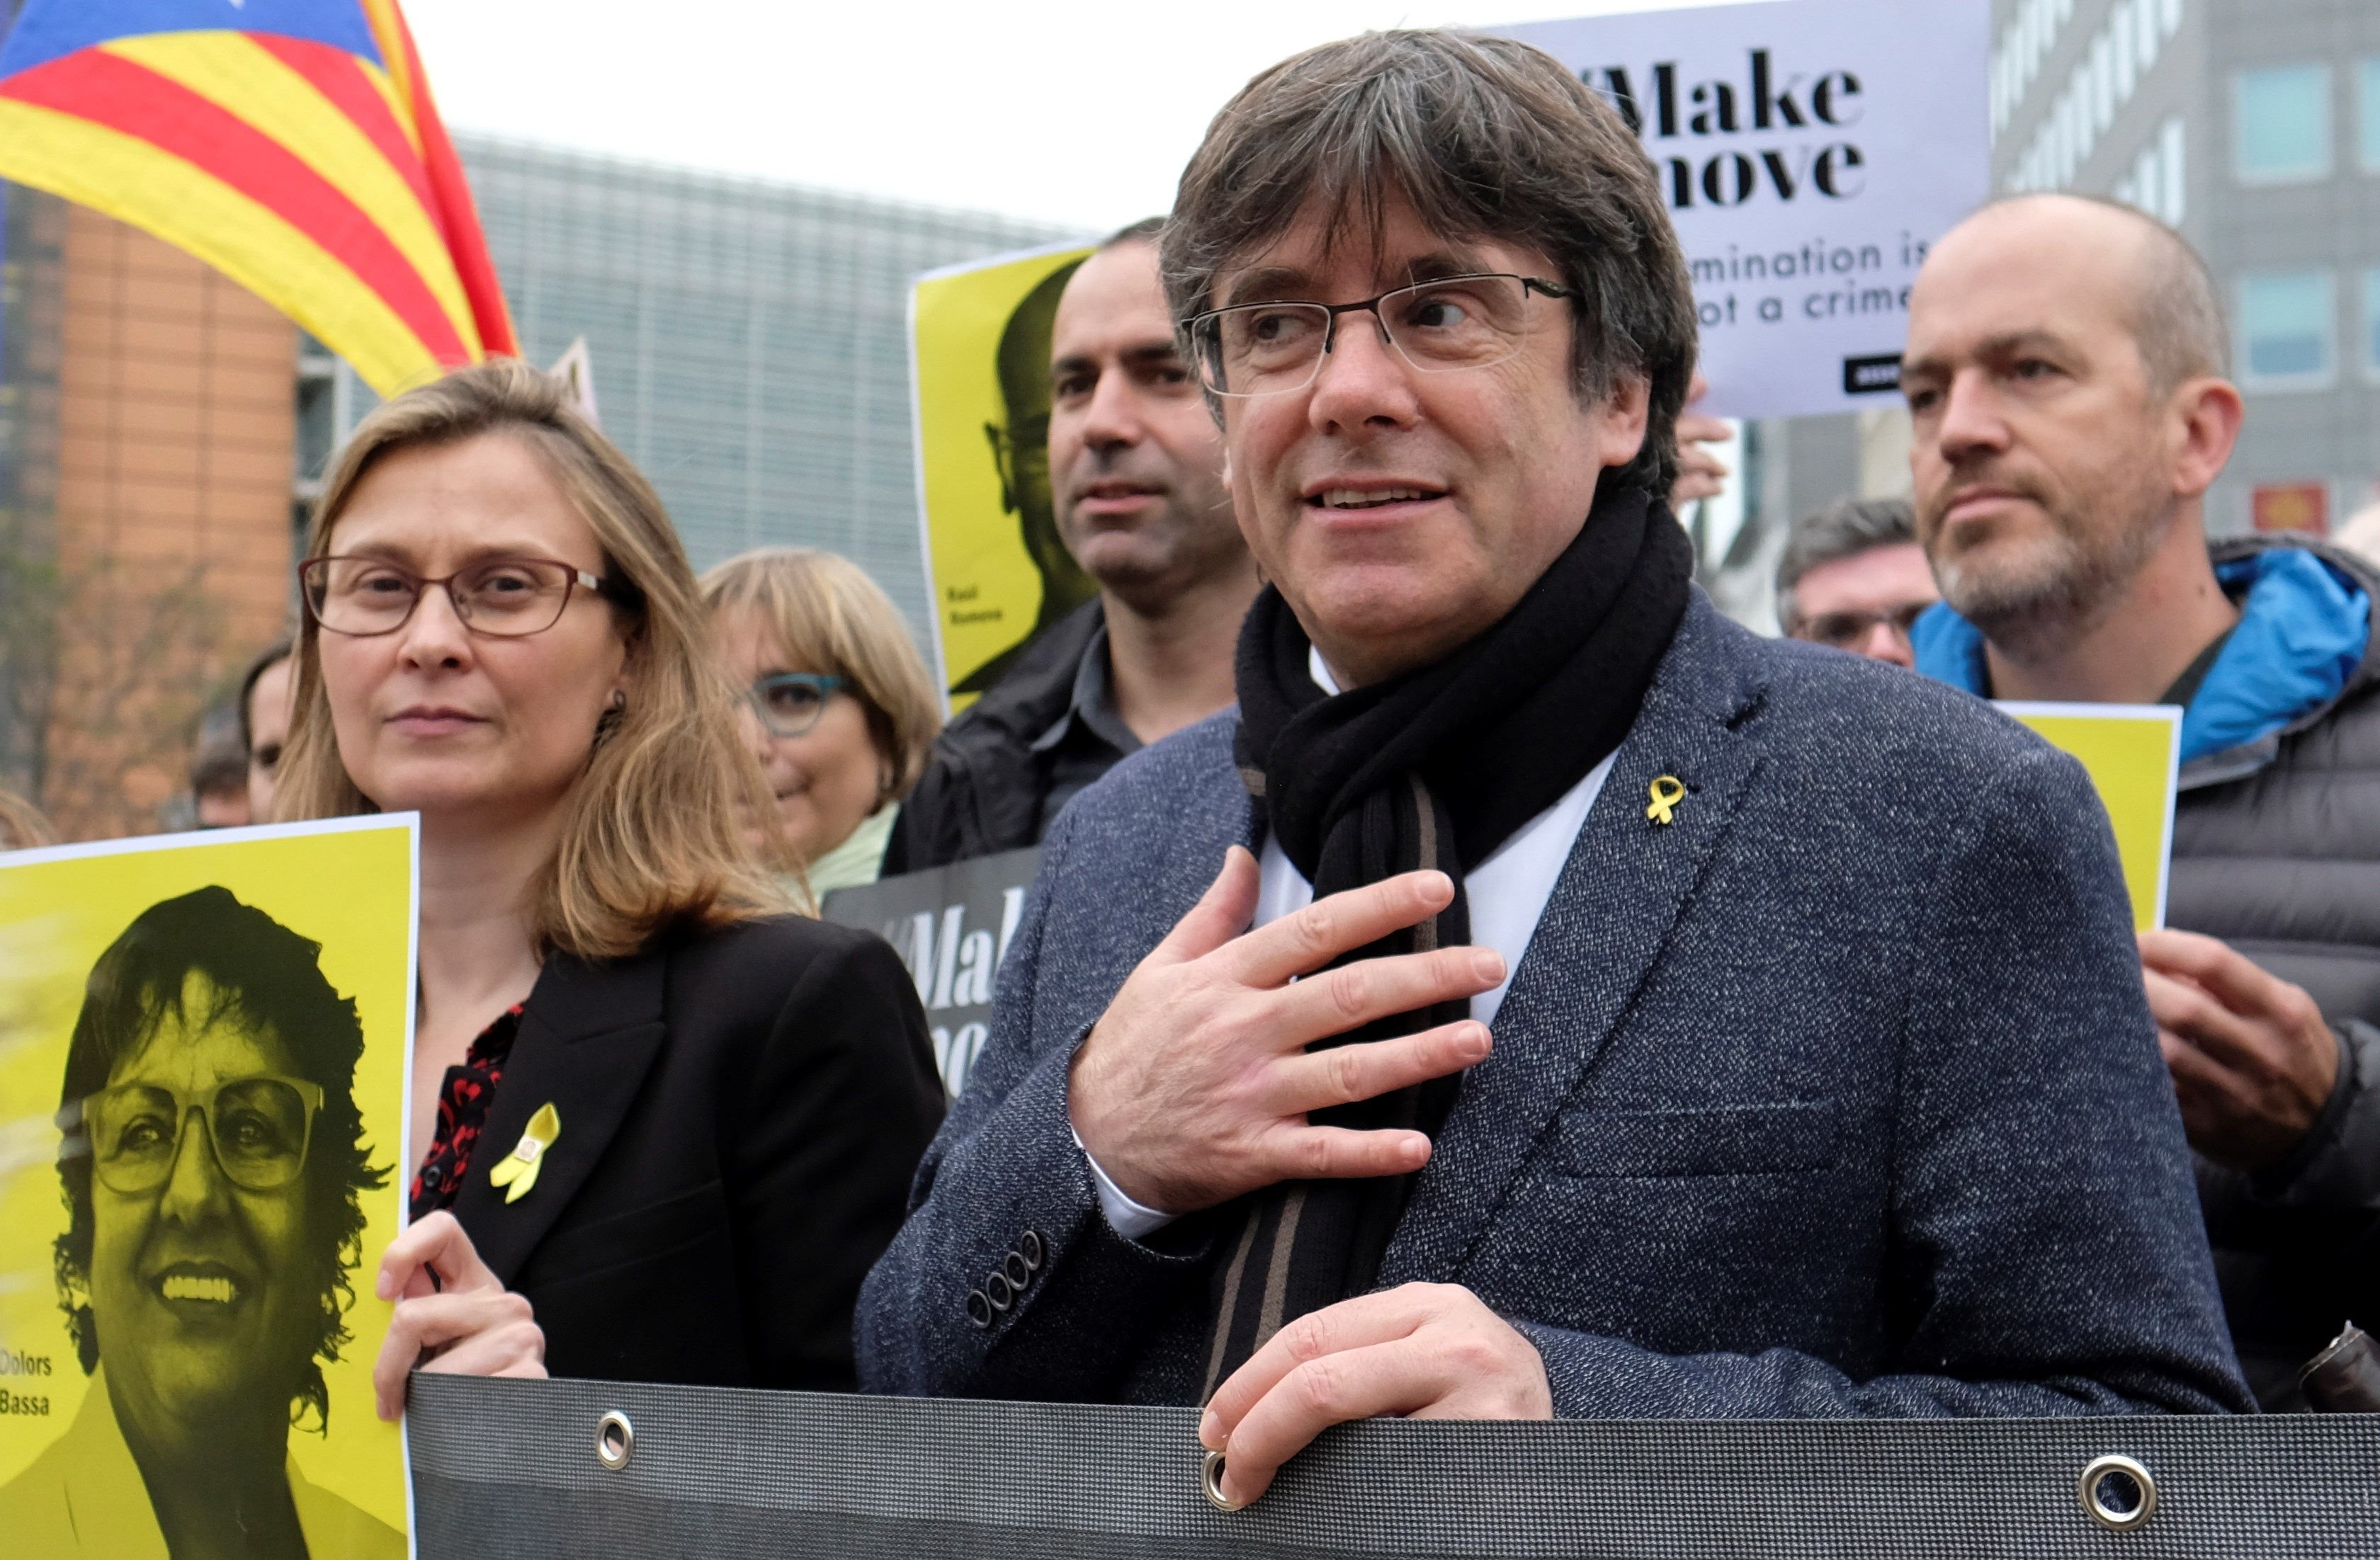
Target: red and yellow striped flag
292, 144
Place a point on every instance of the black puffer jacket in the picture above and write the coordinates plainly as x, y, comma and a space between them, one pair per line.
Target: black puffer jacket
2276, 850
985, 787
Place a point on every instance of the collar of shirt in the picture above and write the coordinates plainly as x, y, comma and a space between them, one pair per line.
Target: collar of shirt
1092, 706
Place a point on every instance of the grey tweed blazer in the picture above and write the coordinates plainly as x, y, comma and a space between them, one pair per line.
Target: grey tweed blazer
1836, 1097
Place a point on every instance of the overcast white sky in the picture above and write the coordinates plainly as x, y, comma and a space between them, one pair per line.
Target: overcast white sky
1079, 111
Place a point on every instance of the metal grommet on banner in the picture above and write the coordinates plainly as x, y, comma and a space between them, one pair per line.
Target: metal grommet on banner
1210, 1479
2117, 1493
615, 1440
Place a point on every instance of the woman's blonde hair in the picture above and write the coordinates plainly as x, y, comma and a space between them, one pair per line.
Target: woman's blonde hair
653, 835
829, 617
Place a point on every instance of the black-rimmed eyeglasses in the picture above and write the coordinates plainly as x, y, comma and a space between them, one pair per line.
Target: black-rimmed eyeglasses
1439, 327
505, 597
259, 1128
1844, 630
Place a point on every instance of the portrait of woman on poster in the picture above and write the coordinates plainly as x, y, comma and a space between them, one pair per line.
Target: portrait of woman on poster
840, 708
661, 1125
212, 1160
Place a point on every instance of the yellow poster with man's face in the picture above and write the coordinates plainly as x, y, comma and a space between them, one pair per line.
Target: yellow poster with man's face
980, 366
203, 1050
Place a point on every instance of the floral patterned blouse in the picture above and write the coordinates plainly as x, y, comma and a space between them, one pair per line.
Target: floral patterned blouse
463, 1101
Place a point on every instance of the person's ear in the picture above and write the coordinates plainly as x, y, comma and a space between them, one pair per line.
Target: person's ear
997, 438
1625, 413
615, 710
2205, 415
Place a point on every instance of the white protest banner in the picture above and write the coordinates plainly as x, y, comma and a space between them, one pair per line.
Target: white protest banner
1809, 150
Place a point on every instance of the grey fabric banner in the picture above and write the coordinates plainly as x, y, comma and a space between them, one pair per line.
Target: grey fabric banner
513, 1469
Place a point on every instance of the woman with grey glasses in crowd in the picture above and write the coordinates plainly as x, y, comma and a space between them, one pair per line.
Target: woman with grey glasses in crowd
839, 709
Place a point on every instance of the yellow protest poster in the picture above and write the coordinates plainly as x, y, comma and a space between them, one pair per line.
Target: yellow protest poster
980, 369
203, 1048
2133, 753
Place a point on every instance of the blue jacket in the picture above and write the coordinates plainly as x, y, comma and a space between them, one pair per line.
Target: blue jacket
1836, 1097
2276, 850
2303, 627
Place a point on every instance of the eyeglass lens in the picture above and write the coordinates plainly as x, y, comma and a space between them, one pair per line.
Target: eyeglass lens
367, 596
259, 1126
1845, 629
1268, 348
789, 705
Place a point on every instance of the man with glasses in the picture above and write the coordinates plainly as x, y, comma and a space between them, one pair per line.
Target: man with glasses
1134, 471
212, 1162
1854, 577
1540, 996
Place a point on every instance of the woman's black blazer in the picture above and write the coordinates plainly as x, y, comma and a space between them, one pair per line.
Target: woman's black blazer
740, 1111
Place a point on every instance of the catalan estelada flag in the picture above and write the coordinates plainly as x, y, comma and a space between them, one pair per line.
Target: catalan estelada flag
292, 144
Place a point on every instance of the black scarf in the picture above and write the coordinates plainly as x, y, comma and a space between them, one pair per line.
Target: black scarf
1431, 769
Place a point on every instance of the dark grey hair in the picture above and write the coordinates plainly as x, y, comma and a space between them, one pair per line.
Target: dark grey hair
1843, 530
1487, 138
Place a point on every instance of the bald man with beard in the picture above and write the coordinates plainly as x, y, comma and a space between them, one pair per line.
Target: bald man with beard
2066, 373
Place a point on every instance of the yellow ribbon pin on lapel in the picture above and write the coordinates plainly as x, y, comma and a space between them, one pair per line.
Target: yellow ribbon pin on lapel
516, 1172
1667, 791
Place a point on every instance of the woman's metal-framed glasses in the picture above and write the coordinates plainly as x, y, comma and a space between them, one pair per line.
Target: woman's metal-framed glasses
259, 1128
504, 597
789, 703
1439, 327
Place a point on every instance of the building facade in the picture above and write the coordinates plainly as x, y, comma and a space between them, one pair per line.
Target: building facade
145, 452
2253, 126
748, 342
162, 431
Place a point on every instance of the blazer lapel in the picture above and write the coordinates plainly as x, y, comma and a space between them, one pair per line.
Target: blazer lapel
1627, 879
587, 1037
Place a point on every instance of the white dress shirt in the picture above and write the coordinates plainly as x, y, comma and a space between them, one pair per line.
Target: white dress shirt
1507, 894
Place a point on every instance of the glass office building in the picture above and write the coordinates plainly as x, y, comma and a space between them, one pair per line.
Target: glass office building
749, 341
2253, 125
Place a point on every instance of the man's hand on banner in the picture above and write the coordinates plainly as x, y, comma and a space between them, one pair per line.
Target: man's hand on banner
2253, 1059
1194, 1085
1429, 1351
1701, 474
452, 1314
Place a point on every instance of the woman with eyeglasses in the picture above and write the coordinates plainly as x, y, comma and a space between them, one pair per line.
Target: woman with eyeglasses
839, 709
661, 1128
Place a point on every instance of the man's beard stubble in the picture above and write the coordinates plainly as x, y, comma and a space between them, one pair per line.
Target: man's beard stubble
2033, 599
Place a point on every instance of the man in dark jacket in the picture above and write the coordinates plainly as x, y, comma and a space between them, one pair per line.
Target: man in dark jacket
1135, 464
2065, 372
1540, 997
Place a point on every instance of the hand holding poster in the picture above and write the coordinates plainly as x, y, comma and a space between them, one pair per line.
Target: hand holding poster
1810, 151
202, 1063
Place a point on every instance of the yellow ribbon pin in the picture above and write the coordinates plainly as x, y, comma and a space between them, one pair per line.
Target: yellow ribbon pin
1668, 791
516, 1172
